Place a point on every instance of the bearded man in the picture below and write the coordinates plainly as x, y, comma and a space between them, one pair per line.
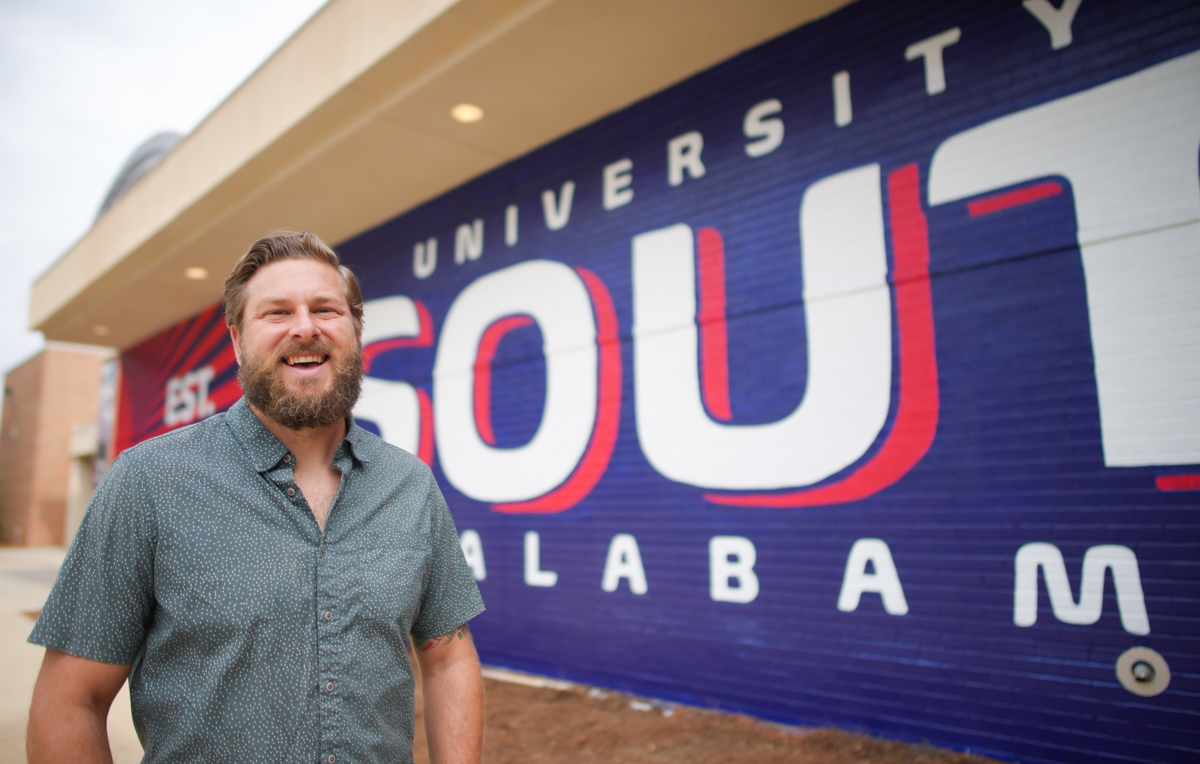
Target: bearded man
257, 575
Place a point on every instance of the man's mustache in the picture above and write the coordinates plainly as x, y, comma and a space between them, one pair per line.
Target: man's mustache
316, 347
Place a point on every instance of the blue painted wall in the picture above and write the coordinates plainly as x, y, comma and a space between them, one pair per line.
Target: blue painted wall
1031, 172
1018, 454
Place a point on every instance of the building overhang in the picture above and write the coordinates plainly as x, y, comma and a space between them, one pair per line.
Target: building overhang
348, 124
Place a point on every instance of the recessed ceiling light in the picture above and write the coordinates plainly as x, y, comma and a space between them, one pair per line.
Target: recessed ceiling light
100, 330
196, 274
467, 112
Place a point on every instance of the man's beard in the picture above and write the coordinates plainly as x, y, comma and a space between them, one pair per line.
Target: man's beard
301, 405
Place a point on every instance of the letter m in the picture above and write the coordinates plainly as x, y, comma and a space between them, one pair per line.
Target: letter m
1126, 580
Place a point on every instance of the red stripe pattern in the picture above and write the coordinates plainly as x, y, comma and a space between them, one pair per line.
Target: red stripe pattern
917, 413
608, 412
714, 348
1177, 482
997, 202
425, 444
482, 398
423, 339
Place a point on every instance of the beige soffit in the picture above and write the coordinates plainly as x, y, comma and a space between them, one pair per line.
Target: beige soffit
348, 125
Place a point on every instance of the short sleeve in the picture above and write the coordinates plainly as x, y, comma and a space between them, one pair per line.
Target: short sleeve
102, 603
450, 597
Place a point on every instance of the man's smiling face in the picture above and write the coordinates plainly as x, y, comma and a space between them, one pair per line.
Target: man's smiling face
299, 353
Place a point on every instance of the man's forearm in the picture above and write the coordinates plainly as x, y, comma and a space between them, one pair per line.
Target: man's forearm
454, 710
68, 718
67, 734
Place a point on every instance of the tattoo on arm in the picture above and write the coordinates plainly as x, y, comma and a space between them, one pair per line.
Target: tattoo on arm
428, 644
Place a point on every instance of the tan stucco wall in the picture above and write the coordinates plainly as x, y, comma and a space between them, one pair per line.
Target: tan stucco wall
348, 125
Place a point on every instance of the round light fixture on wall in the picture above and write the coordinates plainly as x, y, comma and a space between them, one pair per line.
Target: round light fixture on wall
195, 273
467, 113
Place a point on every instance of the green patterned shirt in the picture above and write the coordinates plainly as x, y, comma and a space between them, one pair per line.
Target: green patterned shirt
253, 635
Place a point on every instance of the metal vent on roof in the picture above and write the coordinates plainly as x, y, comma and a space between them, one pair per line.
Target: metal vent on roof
141, 161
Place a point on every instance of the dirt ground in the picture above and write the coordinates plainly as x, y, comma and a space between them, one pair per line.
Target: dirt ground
572, 723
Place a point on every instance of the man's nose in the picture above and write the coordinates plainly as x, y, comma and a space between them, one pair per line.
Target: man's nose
303, 326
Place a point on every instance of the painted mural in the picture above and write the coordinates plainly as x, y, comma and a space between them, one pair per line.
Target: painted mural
854, 381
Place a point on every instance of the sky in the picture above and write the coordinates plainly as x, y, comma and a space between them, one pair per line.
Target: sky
82, 84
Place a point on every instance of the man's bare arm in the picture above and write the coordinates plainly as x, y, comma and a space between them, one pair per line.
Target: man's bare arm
68, 719
453, 692
462, 632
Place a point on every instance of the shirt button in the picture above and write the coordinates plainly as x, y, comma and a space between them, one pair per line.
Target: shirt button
331, 758
291, 492
322, 549
287, 458
328, 616
329, 687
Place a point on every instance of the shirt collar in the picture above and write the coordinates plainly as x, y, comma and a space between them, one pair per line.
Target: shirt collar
362, 445
265, 450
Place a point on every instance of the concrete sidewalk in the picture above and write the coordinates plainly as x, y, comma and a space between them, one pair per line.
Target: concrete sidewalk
26, 575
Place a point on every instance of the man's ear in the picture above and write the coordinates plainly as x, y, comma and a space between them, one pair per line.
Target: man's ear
237, 354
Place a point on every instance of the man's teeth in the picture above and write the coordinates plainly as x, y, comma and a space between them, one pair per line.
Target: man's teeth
295, 359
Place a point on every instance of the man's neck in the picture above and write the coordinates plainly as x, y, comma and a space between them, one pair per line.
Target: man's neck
315, 445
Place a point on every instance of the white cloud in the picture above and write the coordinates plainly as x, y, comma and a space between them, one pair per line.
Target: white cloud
84, 83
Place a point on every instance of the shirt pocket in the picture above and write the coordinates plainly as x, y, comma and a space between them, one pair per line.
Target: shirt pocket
393, 584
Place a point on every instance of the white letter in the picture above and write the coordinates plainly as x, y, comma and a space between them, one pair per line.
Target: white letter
558, 213
472, 549
1137, 213
1131, 604
683, 152
468, 242
201, 378
931, 50
1056, 20
392, 405
848, 314
885, 580
425, 258
768, 131
534, 575
510, 225
624, 561
617, 178
741, 568
843, 113
554, 295
172, 402
185, 400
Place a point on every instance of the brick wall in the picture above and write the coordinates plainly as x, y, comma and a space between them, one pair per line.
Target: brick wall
43, 398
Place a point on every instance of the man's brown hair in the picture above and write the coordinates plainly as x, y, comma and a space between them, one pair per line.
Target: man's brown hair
287, 246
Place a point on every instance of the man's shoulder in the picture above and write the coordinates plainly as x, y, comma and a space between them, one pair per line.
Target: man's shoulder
192, 439
388, 462
380, 453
